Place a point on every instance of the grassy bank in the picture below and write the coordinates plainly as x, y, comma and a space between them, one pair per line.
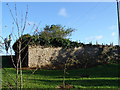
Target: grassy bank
102, 76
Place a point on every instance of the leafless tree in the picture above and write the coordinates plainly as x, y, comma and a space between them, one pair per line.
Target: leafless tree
20, 31
21, 27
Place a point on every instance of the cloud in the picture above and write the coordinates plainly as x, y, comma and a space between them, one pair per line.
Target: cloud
94, 38
113, 27
62, 12
99, 37
113, 34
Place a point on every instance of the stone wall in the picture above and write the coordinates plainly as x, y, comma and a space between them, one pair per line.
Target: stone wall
40, 56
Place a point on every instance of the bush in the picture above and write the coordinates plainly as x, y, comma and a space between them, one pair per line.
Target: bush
37, 40
60, 42
25, 40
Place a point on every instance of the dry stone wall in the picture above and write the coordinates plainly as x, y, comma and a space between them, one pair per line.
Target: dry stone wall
40, 56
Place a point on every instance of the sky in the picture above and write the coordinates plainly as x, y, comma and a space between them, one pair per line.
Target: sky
58, 0
92, 21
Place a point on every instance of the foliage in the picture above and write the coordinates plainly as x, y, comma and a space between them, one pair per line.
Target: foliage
54, 35
7, 42
25, 41
60, 42
38, 40
1, 46
55, 31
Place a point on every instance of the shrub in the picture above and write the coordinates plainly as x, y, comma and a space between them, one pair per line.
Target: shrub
25, 40
38, 40
60, 42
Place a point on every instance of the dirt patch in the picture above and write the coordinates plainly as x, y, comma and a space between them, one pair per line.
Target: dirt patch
27, 68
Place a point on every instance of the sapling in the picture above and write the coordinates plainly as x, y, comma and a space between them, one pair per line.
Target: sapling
66, 66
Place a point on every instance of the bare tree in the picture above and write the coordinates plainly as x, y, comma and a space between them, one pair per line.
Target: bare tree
21, 27
20, 30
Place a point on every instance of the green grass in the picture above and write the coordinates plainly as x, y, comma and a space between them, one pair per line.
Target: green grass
102, 76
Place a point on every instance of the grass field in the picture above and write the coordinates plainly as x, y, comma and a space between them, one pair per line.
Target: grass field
102, 76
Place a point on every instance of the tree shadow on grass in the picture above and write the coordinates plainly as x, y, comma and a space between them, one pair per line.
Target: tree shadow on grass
85, 83
99, 71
